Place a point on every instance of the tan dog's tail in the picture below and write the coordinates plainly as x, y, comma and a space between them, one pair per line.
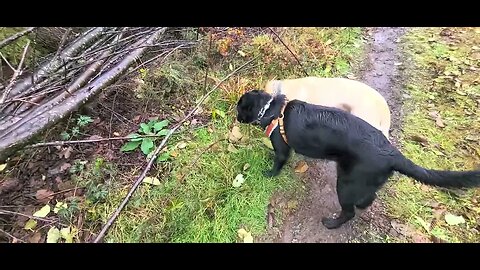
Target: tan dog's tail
273, 87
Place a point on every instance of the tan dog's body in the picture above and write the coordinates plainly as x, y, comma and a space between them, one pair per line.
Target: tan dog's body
353, 96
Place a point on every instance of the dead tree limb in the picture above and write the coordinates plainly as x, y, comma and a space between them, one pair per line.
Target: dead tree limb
47, 69
17, 72
139, 180
16, 36
60, 143
16, 121
15, 139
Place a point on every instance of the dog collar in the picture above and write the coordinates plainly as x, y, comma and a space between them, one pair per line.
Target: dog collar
270, 128
261, 113
277, 122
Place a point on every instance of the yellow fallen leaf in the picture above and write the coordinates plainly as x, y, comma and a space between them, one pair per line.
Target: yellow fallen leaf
245, 236
453, 219
43, 212
241, 233
235, 134
238, 181
67, 234
53, 235
151, 180
59, 206
301, 167
231, 148
242, 54
248, 238
182, 145
30, 225
246, 166
3, 166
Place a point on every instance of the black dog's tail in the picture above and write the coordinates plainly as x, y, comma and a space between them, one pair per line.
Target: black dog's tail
446, 179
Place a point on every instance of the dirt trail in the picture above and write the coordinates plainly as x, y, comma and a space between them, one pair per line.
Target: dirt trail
380, 69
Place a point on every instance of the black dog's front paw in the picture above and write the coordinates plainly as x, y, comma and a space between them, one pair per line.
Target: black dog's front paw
270, 173
331, 223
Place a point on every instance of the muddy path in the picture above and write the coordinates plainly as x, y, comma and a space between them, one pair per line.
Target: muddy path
380, 69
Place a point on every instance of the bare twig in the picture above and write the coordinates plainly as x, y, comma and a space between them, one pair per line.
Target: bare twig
155, 58
62, 42
12, 236
155, 153
16, 36
6, 61
18, 71
7, 212
56, 143
58, 192
210, 40
298, 61
117, 114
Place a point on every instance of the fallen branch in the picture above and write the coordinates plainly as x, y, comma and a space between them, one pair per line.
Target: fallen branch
57, 143
7, 212
298, 61
46, 70
17, 72
139, 180
16, 36
15, 139
19, 120
12, 236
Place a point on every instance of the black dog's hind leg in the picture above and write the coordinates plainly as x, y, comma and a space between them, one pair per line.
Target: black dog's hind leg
345, 195
366, 201
346, 198
282, 153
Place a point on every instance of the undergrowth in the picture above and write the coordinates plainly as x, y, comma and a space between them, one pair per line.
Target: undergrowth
441, 131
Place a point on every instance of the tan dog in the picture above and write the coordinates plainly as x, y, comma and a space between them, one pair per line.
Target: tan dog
352, 96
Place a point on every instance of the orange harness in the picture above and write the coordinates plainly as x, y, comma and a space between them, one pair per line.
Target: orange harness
275, 122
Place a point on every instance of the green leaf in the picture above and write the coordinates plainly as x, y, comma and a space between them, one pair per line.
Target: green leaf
129, 146
151, 180
53, 235
238, 181
453, 219
145, 128
147, 145
42, 212
134, 137
159, 125
30, 225
59, 206
163, 132
163, 157
3, 166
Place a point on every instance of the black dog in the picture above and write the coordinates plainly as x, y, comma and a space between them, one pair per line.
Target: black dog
365, 158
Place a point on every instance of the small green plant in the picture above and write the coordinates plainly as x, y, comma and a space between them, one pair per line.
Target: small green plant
147, 144
82, 121
67, 213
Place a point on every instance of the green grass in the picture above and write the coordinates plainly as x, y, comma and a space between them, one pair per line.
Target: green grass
437, 65
196, 201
